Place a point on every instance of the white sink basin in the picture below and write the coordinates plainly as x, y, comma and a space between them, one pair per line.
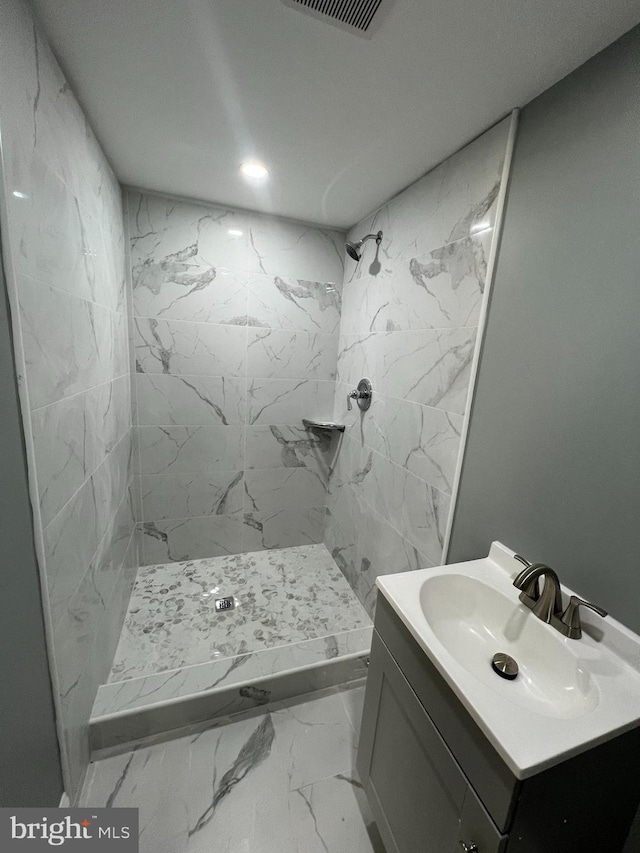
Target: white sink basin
568, 696
473, 621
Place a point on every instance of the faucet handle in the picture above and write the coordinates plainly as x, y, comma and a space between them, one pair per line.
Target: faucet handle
571, 616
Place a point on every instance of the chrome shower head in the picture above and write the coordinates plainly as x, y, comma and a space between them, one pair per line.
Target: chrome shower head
354, 247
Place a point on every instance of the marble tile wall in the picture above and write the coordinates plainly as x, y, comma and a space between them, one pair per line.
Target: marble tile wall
63, 247
236, 319
409, 323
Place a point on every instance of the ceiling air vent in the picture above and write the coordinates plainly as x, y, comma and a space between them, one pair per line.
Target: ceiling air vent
361, 17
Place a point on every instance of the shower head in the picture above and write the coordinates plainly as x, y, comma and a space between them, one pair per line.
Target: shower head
354, 247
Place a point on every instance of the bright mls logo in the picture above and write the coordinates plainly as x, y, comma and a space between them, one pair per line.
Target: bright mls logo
105, 830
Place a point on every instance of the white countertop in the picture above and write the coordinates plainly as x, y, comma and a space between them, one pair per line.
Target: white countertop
607, 658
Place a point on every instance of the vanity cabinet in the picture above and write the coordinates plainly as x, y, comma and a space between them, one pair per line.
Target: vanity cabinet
436, 784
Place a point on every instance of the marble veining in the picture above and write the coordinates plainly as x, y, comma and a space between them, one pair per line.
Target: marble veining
306, 663
236, 319
64, 266
283, 597
283, 781
281, 303
409, 322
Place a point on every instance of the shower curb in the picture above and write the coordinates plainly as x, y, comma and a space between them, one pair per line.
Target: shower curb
119, 730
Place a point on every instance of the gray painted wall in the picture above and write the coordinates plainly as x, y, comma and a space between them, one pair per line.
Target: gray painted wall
30, 773
552, 466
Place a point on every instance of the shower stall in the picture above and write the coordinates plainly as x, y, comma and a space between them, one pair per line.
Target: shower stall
201, 551
234, 341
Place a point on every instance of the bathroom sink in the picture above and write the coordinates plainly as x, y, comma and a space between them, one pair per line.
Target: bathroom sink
568, 695
473, 621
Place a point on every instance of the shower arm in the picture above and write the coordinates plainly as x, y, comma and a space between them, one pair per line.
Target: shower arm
377, 237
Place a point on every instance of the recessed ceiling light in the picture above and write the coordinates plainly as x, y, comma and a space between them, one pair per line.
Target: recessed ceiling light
254, 170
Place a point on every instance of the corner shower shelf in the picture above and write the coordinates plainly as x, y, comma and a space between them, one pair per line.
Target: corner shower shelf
329, 426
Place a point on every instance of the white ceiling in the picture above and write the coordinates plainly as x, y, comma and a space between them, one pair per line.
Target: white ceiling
180, 92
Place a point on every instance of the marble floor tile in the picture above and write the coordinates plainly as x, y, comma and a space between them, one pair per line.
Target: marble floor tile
238, 794
155, 780
333, 816
281, 781
314, 739
352, 696
283, 596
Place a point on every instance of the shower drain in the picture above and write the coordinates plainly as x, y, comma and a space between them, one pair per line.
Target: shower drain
223, 604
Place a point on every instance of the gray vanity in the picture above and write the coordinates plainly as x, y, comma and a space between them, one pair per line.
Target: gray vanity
438, 778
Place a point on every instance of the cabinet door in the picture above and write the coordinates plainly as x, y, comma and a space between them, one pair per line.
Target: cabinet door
477, 828
415, 787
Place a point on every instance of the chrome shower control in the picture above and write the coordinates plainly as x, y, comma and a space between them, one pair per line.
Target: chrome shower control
469, 848
362, 395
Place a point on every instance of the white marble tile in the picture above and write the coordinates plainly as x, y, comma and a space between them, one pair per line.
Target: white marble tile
282, 597
69, 241
455, 200
196, 349
314, 739
443, 288
415, 509
352, 696
70, 541
64, 227
288, 401
73, 436
277, 302
191, 538
271, 490
422, 439
234, 787
333, 816
68, 343
190, 400
111, 554
440, 289
409, 313
75, 630
290, 447
280, 354
237, 674
87, 621
166, 496
238, 795
181, 292
284, 528
364, 544
296, 250
155, 780
182, 243
431, 367
72, 538
190, 449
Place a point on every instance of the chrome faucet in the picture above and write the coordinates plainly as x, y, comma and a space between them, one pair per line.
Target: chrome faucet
547, 605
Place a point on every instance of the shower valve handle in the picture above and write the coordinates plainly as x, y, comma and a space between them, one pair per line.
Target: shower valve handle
362, 394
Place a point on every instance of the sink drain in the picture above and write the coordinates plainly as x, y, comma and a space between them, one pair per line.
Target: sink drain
505, 665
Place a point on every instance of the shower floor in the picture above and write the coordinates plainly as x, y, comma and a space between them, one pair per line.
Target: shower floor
296, 618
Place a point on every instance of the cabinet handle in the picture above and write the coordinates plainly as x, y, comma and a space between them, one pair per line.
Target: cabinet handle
469, 848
